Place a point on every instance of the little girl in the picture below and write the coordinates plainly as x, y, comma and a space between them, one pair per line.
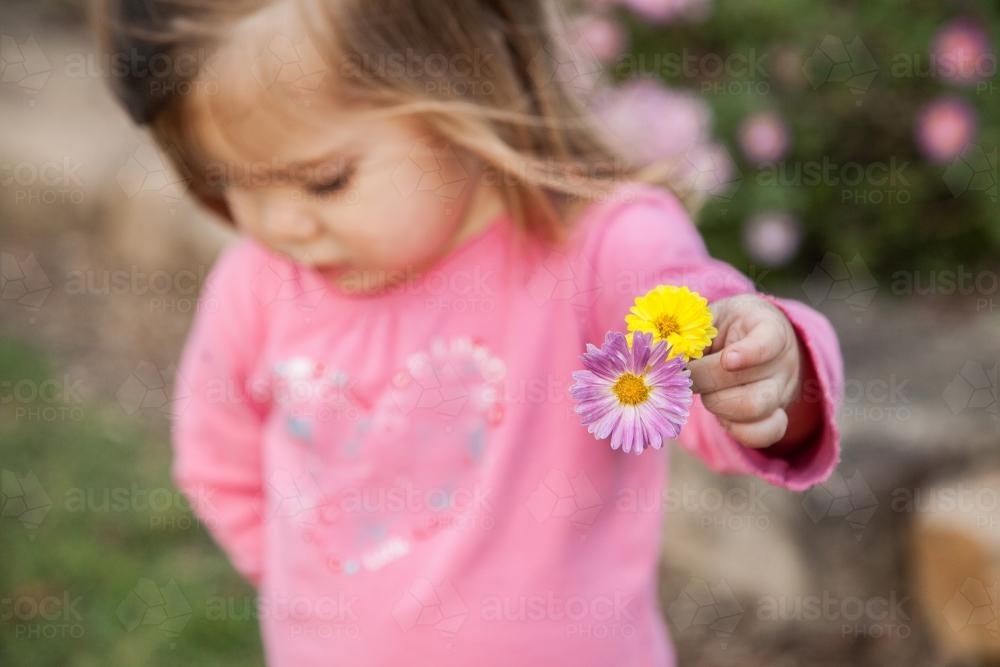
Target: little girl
378, 429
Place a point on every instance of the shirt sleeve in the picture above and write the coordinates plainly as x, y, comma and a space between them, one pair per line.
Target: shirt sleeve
648, 239
217, 436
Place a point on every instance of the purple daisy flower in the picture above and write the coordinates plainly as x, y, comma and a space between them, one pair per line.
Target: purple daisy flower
632, 393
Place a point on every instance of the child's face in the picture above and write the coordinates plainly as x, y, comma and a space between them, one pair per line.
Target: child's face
348, 193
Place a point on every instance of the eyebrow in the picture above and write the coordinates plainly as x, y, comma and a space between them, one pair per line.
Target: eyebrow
300, 171
341, 161
335, 155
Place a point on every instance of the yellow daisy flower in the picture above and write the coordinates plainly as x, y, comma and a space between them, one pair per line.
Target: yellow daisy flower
677, 315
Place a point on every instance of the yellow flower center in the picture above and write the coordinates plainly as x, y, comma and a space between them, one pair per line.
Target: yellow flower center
666, 325
631, 389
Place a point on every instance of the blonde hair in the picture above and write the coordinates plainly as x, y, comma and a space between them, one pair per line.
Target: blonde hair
516, 111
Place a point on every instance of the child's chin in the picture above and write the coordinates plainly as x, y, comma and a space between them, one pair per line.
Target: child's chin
330, 267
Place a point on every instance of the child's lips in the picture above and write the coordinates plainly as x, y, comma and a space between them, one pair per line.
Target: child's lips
335, 269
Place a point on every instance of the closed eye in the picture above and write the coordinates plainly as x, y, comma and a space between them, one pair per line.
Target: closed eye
334, 184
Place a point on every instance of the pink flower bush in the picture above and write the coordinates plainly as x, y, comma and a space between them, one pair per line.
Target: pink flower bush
653, 122
944, 128
606, 38
649, 122
764, 137
664, 11
772, 238
962, 53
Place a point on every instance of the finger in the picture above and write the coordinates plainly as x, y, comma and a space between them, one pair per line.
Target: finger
708, 375
761, 434
747, 403
721, 321
734, 315
763, 343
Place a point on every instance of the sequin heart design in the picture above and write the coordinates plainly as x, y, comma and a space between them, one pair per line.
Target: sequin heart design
384, 476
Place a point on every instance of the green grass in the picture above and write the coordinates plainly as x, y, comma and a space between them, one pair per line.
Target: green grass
100, 539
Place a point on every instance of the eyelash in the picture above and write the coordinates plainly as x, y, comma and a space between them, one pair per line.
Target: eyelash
335, 185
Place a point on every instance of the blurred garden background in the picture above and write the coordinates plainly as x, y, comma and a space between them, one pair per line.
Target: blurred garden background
844, 154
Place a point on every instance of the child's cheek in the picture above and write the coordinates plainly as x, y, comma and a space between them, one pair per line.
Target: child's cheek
408, 232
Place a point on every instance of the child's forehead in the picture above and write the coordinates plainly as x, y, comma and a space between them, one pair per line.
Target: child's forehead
271, 51
273, 130
265, 93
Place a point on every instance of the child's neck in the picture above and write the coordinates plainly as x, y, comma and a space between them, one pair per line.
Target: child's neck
484, 205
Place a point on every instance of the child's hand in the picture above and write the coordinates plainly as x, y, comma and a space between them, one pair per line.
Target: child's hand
754, 374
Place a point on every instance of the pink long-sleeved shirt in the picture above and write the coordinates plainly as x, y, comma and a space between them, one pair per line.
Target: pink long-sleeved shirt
402, 474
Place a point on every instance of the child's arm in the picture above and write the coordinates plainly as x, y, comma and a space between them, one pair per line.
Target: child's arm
774, 413
216, 436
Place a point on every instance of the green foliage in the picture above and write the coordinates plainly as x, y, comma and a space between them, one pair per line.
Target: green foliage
102, 535
913, 224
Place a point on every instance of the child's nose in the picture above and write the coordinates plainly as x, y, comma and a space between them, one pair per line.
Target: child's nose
292, 226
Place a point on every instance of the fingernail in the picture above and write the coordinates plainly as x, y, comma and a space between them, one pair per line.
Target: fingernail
733, 359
